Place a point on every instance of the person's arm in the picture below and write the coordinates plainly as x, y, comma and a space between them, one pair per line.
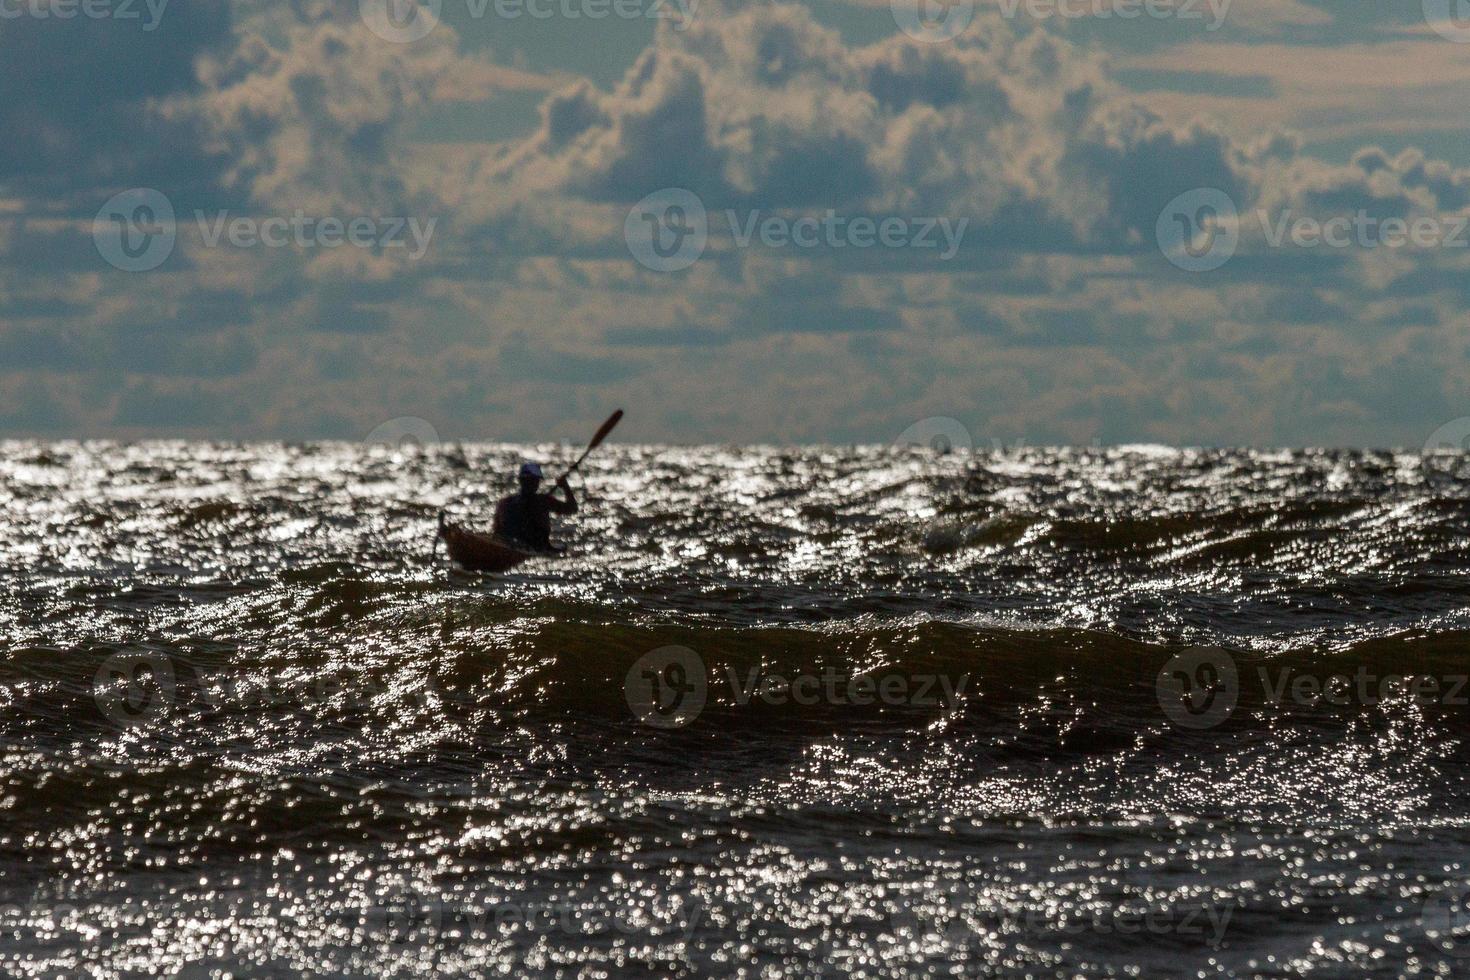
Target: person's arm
568, 506
499, 526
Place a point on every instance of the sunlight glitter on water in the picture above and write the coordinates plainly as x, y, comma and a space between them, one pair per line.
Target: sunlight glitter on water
348, 757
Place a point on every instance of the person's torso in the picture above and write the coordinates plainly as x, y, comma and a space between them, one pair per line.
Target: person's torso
527, 519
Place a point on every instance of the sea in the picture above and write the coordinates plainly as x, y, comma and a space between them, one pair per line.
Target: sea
826, 711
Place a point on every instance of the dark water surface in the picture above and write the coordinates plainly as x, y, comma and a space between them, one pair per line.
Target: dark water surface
1042, 711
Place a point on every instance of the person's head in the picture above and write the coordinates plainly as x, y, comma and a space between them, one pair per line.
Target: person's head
530, 477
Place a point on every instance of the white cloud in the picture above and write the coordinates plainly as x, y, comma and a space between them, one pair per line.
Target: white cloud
1058, 320
1324, 92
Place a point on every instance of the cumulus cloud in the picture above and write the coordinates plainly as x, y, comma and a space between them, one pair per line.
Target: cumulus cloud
1325, 91
313, 116
1058, 319
1019, 131
1267, 17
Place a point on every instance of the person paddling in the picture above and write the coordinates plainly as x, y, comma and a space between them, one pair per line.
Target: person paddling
525, 517
522, 520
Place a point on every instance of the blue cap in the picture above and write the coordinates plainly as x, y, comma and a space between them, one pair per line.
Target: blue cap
531, 469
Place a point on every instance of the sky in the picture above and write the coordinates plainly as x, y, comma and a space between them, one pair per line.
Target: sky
1189, 222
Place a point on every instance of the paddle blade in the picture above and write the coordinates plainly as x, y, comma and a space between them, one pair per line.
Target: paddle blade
607, 427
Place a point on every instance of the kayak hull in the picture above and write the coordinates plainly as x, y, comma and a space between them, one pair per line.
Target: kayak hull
481, 552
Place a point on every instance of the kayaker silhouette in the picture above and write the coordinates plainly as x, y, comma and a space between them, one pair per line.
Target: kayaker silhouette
522, 520
525, 517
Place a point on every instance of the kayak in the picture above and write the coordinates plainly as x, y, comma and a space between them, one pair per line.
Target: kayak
482, 552
486, 553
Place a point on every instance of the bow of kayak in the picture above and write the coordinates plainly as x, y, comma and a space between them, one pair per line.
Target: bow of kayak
482, 552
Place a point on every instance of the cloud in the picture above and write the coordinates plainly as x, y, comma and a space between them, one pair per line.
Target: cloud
1274, 16
313, 120
1322, 91
1265, 17
477, 80
70, 127
1057, 319
1020, 132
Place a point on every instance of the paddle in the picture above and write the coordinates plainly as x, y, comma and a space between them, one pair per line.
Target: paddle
602, 433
